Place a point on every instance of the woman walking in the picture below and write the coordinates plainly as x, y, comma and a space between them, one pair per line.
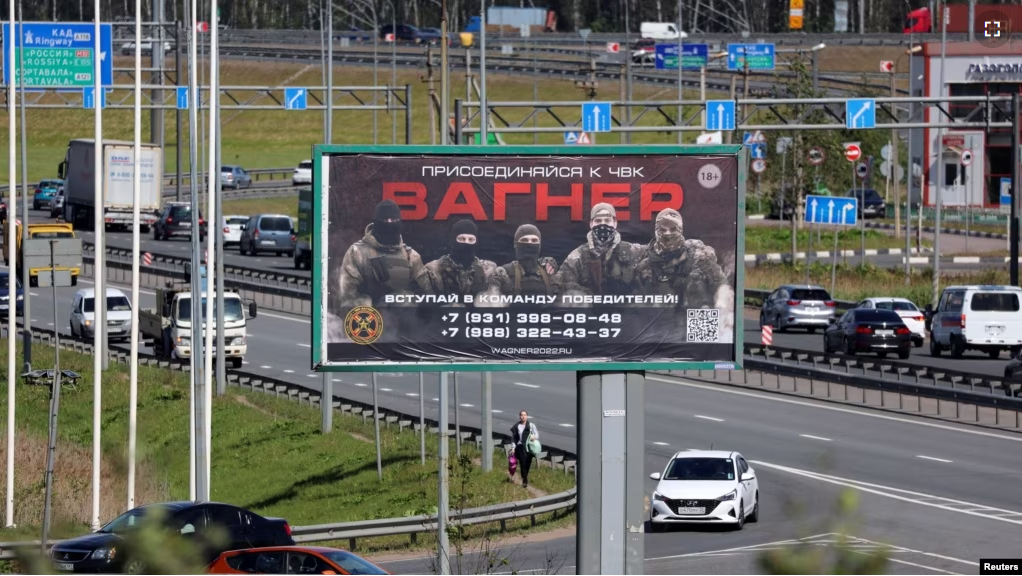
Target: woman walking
521, 433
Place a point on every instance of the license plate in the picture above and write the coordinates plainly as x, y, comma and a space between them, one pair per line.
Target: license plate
268, 242
812, 308
68, 567
692, 511
885, 332
994, 330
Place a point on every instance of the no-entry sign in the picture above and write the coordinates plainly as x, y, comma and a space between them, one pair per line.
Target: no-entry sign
852, 152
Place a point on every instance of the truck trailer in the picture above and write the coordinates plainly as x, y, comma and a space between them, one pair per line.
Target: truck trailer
77, 170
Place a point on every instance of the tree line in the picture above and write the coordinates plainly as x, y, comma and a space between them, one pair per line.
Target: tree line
701, 16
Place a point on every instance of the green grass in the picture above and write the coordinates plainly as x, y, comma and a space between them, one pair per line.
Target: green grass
855, 283
273, 139
766, 239
268, 456
272, 205
992, 228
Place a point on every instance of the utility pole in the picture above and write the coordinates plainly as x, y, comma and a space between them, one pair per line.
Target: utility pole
628, 71
157, 61
935, 296
590, 84
444, 77
431, 87
26, 333
330, 73
894, 166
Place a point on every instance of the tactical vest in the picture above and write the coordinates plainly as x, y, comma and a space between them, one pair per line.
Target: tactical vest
669, 278
450, 276
614, 277
528, 283
391, 273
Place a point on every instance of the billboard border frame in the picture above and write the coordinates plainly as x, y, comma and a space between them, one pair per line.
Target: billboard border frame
320, 221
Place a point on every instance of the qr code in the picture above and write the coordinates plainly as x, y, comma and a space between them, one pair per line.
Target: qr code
703, 325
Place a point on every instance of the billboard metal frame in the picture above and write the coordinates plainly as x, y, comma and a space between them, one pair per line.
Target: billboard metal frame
321, 154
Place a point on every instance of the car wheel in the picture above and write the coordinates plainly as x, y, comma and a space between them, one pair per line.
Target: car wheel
957, 347
934, 347
655, 527
279, 254
777, 324
826, 344
904, 353
298, 264
849, 347
135, 567
35, 205
236, 363
811, 329
918, 343
994, 354
290, 254
754, 517
741, 516
881, 355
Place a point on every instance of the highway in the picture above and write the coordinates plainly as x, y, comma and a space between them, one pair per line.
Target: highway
913, 465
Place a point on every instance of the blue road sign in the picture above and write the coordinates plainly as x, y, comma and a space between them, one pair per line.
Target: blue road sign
596, 117
182, 98
89, 98
1005, 192
693, 56
59, 55
296, 99
842, 211
720, 115
757, 150
753, 137
756, 56
860, 113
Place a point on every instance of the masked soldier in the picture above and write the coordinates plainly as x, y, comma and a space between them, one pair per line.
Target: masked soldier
605, 265
380, 263
528, 274
459, 273
674, 265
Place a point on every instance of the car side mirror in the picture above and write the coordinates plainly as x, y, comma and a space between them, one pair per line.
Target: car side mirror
833, 320
654, 476
188, 274
928, 310
252, 310
166, 310
62, 170
244, 227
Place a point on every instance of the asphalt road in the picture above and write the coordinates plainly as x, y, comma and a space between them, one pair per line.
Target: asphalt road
933, 488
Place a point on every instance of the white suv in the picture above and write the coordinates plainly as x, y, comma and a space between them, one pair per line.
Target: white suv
303, 173
985, 318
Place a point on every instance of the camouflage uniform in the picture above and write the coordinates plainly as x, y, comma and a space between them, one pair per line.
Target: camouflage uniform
371, 271
675, 265
459, 273
605, 265
529, 274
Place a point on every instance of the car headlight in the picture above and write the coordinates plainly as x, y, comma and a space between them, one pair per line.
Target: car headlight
729, 496
184, 341
658, 496
21, 297
238, 341
104, 554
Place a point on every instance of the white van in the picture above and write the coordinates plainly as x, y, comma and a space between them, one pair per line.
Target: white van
660, 31
83, 314
985, 318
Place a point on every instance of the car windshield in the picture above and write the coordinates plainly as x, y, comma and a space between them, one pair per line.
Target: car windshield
113, 304
701, 469
50, 184
237, 221
994, 302
130, 520
233, 310
897, 306
4, 279
227, 169
181, 211
877, 316
305, 165
872, 196
352, 564
809, 295
275, 224
61, 234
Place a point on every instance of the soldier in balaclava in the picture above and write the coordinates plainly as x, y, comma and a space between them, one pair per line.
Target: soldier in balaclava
459, 273
530, 273
605, 264
679, 266
380, 263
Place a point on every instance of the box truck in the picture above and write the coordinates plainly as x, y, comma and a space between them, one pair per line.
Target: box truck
78, 172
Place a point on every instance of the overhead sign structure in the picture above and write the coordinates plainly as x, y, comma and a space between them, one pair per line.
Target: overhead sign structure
837, 210
816, 156
759, 166
182, 98
750, 56
59, 55
852, 152
860, 113
548, 303
577, 138
596, 117
967, 157
693, 56
720, 115
295, 99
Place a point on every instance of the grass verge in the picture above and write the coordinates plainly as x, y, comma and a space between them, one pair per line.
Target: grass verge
270, 205
765, 239
268, 456
990, 228
855, 283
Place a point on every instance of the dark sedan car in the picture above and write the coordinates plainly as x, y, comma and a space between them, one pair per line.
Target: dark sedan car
99, 552
176, 220
873, 206
862, 330
5, 300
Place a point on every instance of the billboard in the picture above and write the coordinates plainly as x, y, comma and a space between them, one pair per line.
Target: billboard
450, 258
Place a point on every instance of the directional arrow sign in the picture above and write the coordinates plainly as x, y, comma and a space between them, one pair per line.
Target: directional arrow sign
182, 98
59, 55
596, 117
720, 115
860, 113
842, 211
295, 99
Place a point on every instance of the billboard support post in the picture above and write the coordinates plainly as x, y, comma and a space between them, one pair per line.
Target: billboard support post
326, 403
443, 545
457, 418
487, 423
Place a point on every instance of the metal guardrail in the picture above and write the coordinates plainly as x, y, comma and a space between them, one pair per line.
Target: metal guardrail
350, 531
257, 174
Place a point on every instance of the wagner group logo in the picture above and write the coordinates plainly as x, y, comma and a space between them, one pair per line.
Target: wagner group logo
363, 325
993, 28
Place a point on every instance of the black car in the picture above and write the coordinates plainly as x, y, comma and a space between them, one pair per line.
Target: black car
409, 33
864, 330
98, 552
873, 206
176, 220
3, 210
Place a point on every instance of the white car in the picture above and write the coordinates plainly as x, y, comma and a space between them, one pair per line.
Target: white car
910, 314
303, 173
232, 229
83, 314
705, 487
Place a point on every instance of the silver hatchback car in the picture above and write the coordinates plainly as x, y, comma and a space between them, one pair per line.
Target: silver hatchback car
798, 306
268, 233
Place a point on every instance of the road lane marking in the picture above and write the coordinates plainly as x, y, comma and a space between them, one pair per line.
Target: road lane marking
412, 394
708, 418
815, 437
289, 371
919, 498
305, 345
526, 385
567, 425
466, 405
661, 443
497, 411
336, 380
934, 459
913, 564
312, 375
774, 398
361, 384
266, 367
